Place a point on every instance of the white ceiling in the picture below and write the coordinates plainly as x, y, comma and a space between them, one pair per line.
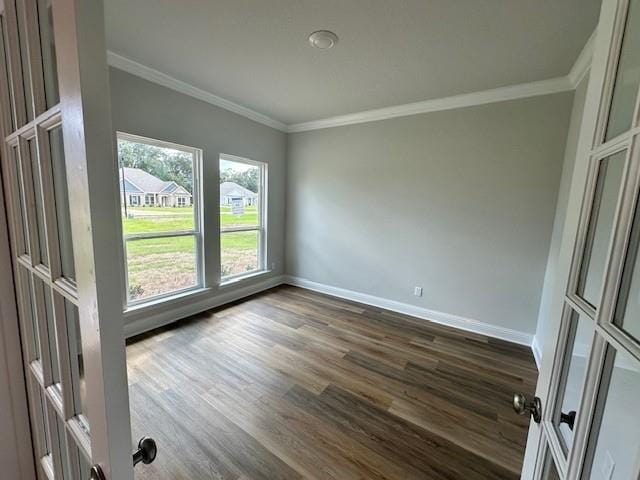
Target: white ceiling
255, 52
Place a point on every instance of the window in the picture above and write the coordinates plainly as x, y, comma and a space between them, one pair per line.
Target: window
182, 201
242, 216
162, 245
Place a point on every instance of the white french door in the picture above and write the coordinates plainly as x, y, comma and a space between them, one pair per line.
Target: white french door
590, 378
60, 183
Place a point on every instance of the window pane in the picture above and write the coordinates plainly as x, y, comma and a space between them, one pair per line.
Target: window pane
573, 373
600, 227
627, 76
627, 311
61, 192
239, 252
156, 188
49, 65
239, 194
157, 266
39, 206
617, 451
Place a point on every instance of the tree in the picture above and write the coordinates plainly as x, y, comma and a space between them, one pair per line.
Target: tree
165, 163
247, 178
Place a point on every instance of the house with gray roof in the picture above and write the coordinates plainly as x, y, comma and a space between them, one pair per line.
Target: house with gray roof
231, 193
143, 189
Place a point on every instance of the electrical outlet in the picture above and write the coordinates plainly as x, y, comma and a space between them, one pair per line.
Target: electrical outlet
417, 291
607, 467
273, 266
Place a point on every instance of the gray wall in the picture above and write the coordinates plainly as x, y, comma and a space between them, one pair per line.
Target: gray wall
144, 108
460, 202
560, 215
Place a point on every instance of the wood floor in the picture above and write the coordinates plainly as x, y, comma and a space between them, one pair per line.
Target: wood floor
293, 384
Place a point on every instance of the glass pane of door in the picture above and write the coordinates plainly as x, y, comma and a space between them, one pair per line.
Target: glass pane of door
46, 323
24, 59
627, 76
549, 470
48, 49
61, 193
579, 339
600, 227
39, 203
76, 359
20, 210
4, 52
627, 311
28, 312
617, 440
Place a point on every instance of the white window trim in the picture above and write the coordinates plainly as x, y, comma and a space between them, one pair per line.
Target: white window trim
261, 228
196, 232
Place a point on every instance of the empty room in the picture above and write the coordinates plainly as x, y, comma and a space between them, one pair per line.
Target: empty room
332, 240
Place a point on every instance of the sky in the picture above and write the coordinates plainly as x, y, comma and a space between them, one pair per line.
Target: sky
236, 166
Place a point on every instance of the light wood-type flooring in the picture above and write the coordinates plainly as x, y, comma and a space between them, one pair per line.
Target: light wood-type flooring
292, 384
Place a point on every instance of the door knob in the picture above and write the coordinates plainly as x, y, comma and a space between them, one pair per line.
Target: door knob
522, 406
147, 451
96, 473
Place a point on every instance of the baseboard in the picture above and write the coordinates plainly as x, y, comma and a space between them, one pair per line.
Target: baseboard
163, 316
442, 318
537, 353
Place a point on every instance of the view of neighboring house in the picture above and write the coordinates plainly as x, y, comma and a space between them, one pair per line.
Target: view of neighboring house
143, 189
231, 192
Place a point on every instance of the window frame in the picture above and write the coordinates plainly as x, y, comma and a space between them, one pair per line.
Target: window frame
196, 232
261, 227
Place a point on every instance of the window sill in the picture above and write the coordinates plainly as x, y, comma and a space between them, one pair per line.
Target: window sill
241, 278
164, 301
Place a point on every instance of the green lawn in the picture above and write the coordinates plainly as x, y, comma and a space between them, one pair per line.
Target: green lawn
163, 219
165, 264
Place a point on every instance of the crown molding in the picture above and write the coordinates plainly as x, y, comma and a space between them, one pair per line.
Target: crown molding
582, 64
524, 90
533, 89
131, 66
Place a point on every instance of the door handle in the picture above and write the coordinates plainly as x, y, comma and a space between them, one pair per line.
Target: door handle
568, 418
533, 408
147, 451
96, 473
